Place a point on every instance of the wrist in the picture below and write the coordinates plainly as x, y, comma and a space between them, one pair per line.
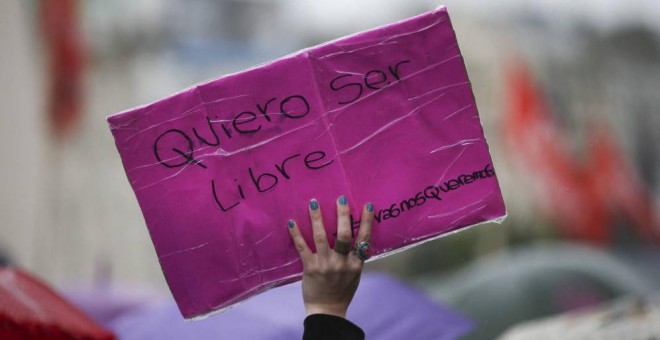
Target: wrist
335, 310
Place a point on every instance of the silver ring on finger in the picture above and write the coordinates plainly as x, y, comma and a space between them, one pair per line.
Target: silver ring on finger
362, 250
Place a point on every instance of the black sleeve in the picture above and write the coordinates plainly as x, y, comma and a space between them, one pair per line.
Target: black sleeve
330, 327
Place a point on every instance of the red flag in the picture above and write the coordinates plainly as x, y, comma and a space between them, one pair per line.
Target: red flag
59, 25
617, 181
581, 195
561, 189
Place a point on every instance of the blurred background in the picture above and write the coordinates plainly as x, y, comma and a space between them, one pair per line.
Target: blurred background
567, 92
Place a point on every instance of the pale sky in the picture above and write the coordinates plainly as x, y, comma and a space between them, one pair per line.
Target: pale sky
604, 14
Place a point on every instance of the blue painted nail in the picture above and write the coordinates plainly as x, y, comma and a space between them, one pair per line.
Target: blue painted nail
291, 224
313, 204
370, 207
342, 200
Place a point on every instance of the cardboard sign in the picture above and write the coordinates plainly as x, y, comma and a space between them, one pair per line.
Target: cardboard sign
385, 116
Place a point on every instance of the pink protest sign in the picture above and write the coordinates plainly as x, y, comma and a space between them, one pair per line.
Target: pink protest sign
384, 116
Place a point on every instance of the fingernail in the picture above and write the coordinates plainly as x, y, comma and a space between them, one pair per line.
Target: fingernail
291, 224
370, 207
342, 200
313, 204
